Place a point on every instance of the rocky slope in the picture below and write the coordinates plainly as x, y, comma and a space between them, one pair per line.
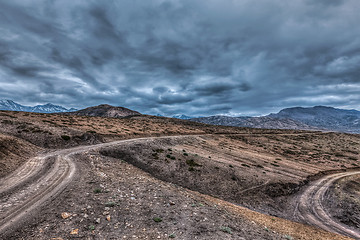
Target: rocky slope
255, 122
324, 117
105, 110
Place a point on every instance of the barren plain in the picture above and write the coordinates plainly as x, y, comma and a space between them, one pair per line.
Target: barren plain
146, 177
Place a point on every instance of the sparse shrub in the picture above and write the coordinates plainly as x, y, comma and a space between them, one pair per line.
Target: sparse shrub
65, 137
169, 149
192, 163
157, 219
172, 235
274, 164
172, 157
159, 150
217, 168
92, 227
209, 157
168, 156
110, 204
91, 131
191, 169
231, 166
259, 166
245, 165
186, 154
97, 190
226, 229
7, 122
338, 154
233, 178
288, 237
352, 158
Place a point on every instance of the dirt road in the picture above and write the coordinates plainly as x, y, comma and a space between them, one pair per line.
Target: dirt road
40, 179
44, 177
310, 206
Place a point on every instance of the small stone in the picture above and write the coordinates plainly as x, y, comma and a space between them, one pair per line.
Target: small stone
97, 220
105, 213
108, 218
65, 215
85, 215
75, 231
171, 203
107, 208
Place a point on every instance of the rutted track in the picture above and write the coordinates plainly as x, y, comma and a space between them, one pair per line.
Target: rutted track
29, 187
310, 206
15, 206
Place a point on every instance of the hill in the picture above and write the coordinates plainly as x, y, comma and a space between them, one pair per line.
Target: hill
105, 110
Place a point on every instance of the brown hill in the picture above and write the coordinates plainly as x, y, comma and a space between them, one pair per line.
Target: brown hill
105, 110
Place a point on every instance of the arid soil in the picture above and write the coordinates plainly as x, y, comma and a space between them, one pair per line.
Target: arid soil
14, 152
179, 179
343, 201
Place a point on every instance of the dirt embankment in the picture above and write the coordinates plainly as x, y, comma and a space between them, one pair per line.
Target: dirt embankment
343, 201
14, 152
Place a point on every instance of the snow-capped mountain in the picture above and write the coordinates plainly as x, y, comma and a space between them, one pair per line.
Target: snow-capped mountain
182, 116
47, 108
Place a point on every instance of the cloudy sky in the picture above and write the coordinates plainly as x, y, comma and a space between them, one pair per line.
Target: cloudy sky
194, 57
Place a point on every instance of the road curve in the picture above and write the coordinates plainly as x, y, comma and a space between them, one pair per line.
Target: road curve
37, 181
33, 184
310, 206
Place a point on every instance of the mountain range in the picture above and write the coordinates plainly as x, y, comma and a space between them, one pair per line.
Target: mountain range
47, 108
312, 118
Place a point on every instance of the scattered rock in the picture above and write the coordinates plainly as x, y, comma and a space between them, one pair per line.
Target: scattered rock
108, 218
105, 213
75, 231
171, 203
97, 220
65, 215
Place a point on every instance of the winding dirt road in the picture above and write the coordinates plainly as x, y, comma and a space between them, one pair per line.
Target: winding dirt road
44, 177
310, 206
40, 179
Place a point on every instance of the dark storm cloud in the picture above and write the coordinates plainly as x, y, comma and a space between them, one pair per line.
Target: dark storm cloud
181, 57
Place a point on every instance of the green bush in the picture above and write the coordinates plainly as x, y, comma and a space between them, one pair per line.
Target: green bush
97, 190
157, 219
110, 204
226, 229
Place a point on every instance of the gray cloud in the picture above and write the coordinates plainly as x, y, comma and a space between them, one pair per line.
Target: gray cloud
188, 57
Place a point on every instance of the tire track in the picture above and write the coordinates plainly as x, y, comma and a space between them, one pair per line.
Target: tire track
27, 189
310, 206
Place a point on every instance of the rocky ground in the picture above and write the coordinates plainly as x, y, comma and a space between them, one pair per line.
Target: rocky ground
193, 187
